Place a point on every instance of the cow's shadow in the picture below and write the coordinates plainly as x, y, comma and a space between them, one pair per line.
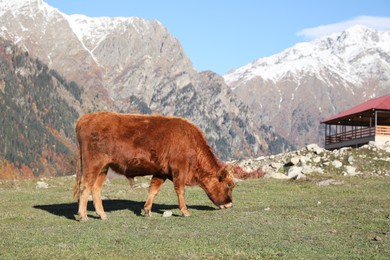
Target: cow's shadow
69, 210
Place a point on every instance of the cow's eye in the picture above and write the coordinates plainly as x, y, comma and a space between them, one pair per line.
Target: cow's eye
219, 178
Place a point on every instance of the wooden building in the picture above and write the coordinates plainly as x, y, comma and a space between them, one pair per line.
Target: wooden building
369, 121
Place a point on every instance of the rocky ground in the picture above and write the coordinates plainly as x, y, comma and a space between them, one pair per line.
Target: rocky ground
369, 160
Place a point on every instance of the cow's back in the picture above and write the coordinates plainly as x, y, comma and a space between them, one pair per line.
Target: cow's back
140, 131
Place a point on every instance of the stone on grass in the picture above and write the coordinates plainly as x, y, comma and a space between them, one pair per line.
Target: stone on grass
42, 185
350, 171
329, 182
275, 175
167, 214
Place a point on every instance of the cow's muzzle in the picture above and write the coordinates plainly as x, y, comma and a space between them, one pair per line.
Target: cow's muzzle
226, 206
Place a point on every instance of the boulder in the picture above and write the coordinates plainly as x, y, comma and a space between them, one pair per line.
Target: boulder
337, 164
315, 148
350, 171
294, 172
295, 160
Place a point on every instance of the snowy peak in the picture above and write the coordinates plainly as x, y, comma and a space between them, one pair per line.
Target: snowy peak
91, 31
26, 7
348, 54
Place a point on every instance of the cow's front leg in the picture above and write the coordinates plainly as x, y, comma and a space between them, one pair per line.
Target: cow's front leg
155, 185
180, 196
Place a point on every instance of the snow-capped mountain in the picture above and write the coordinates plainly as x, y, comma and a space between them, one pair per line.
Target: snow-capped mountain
297, 88
102, 49
350, 54
134, 65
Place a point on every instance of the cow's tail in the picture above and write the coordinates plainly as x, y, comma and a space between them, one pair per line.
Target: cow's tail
79, 173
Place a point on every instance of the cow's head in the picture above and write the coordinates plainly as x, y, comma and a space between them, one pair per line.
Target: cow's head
219, 188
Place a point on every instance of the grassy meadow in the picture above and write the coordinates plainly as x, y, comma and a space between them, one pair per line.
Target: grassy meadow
271, 219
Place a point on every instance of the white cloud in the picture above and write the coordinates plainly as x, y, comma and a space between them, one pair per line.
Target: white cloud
379, 23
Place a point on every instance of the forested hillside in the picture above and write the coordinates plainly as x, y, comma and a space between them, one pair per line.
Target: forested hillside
38, 109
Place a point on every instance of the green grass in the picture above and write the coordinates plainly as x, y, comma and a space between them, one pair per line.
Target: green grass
270, 219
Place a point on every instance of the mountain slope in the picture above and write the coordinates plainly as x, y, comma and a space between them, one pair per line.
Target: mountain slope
134, 65
302, 85
37, 111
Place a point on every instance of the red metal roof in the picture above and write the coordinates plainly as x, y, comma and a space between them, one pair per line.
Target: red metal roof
380, 103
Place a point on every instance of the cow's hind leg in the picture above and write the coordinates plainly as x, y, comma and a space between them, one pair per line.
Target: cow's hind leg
97, 197
155, 185
83, 203
89, 179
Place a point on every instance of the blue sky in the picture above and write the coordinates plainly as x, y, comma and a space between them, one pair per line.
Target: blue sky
223, 35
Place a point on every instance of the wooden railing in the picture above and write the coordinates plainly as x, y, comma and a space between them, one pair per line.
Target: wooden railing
382, 130
356, 134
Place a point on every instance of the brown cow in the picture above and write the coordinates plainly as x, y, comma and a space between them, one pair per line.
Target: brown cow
138, 145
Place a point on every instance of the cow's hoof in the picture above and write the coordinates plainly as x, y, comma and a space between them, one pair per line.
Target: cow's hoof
83, 219
147, 212
103, 217
186, 213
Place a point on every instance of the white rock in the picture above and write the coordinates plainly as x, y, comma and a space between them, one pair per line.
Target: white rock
306, 169
275, 175
344, 149
315, 148
294, 172
248, 168
295, 160
329, 182
319, 170
304, 159
42, 185
337, 164
276, 165
350, 159
317, 159
350, 171
167, 214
